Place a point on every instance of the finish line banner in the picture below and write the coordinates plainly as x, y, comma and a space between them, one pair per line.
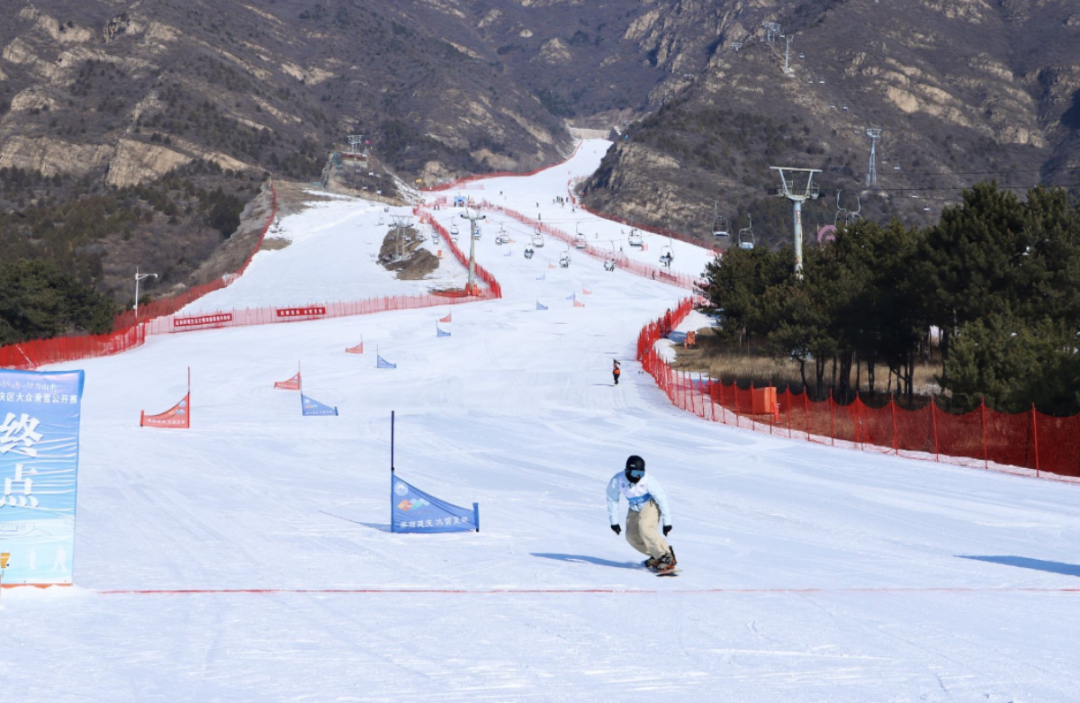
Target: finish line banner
39, 463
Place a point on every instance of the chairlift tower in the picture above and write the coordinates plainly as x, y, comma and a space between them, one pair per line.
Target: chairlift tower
772, 31
473, 219
787, 53
871, 172
797, 193
401, 222
355, 143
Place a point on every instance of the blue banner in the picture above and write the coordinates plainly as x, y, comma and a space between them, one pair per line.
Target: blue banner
539, 306
39, 464
440, 333
383, 363
412, 510
314, 407
542, 276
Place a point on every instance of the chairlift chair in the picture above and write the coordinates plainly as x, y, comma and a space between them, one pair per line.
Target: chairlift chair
635, 239
609, 264
537, 239
746, 234
476, 234
529, 252
564, 260
667, 255
502, 237
719, 224
381, 220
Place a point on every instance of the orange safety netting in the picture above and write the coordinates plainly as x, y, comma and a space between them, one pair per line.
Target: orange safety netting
1031, 439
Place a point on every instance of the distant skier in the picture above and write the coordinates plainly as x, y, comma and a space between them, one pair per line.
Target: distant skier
616, 372
648, 505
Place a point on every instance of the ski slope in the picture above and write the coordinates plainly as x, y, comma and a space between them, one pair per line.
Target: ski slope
249, 558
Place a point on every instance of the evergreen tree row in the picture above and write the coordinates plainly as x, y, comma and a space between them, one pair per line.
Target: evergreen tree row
991, 293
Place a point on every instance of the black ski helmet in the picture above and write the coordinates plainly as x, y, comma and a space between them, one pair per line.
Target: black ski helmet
634, 464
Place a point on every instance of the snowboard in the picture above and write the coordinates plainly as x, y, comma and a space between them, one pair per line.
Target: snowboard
673, 572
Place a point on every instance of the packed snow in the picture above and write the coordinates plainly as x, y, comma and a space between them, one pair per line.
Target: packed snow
250, 559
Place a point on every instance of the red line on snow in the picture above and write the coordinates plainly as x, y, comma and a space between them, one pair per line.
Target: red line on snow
568, 591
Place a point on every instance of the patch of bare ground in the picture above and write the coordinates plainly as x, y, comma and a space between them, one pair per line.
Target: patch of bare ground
405, 256
715, 358
274, 243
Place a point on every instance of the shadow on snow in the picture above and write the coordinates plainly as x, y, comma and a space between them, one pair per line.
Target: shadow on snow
582, 559
1054, 567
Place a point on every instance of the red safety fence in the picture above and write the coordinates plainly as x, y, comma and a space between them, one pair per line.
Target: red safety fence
31, 355
1030, 440
275, 315
623, 262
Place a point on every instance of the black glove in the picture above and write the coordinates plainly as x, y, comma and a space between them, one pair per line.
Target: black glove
667, 529
616, 529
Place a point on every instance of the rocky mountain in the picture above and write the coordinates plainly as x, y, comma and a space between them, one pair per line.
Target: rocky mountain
962, 91
107, 97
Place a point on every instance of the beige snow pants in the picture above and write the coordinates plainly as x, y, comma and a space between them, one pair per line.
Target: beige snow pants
642, 531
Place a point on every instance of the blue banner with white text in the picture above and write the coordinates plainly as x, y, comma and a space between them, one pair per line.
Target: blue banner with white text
313, 407
412, 510
39, 464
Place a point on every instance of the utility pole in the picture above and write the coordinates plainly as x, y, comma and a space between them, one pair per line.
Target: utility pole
140, 277
797, 194
400, 223
473, 219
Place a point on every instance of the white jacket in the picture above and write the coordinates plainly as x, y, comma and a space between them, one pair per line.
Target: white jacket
637, 494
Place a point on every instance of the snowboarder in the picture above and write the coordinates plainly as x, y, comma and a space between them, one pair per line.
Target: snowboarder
616, 372
648, 505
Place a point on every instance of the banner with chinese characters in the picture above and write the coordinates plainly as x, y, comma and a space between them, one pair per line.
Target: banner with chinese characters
412, 510
39, 463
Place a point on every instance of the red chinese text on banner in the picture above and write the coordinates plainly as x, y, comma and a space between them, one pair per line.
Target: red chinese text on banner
293, 384
308, 312
216, 319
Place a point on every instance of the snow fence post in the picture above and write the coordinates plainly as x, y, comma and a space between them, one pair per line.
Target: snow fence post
895, 437
986, 451
933, 417
1035, 436
832, 426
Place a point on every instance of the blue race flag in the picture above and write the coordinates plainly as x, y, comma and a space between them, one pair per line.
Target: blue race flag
508, 253
412, 510
542, 276
383, 363
572, 296
39, 465
539, 306
440, 333
314, 407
